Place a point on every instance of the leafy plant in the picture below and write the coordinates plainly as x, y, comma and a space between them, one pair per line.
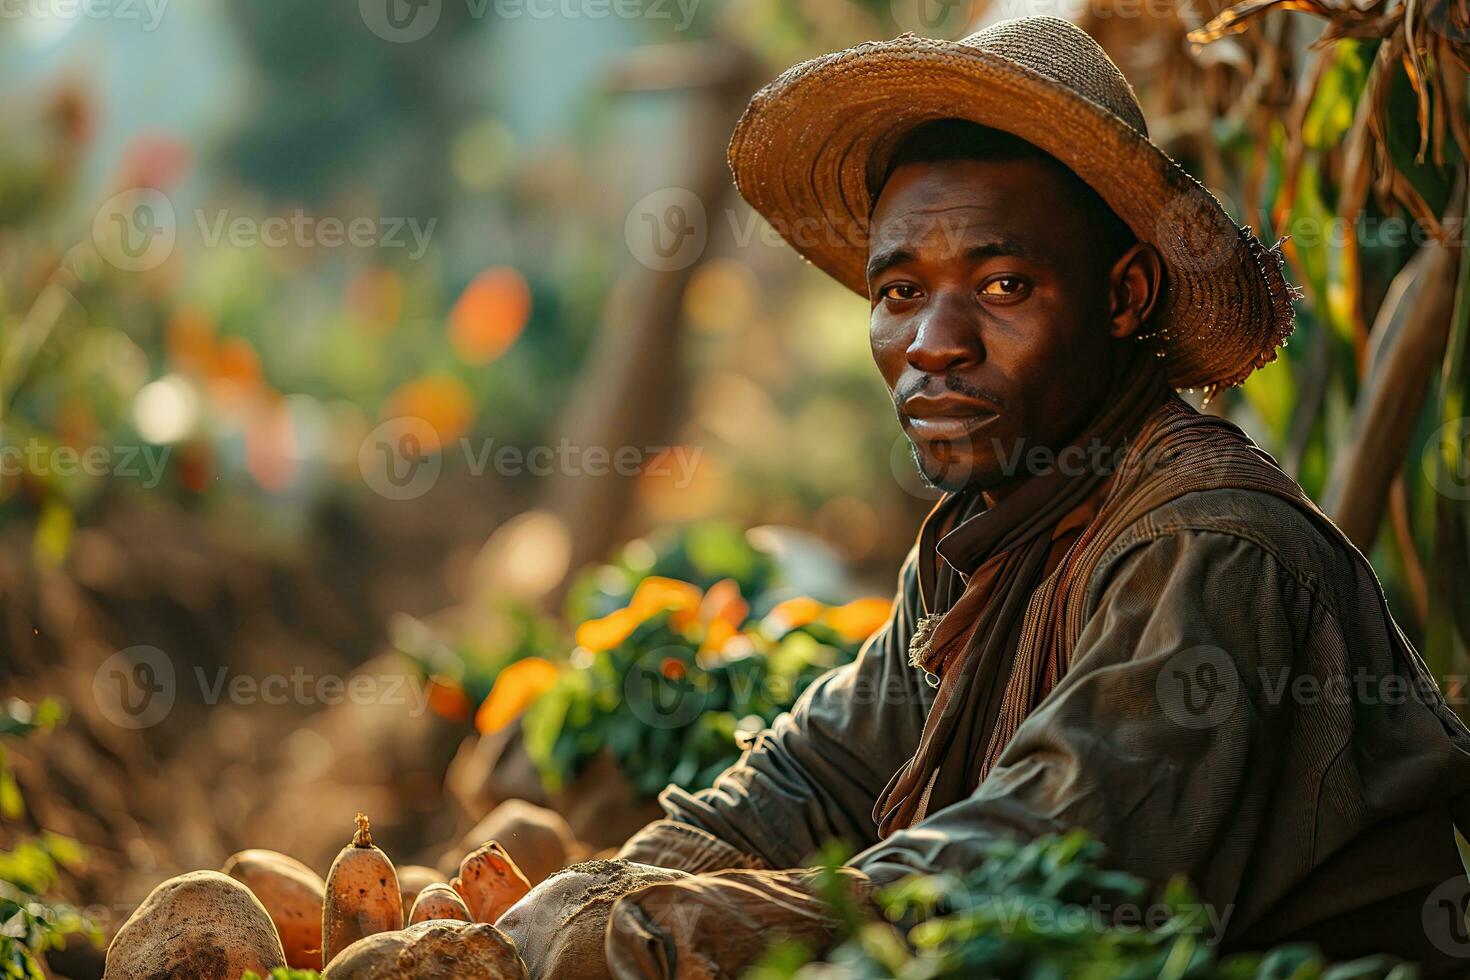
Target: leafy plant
700, 554
30, 921
673, 675
1047, 909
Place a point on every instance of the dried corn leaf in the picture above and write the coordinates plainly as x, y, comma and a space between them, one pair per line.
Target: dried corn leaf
1344, 21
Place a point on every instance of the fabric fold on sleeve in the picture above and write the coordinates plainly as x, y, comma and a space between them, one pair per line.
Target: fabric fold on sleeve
814, 775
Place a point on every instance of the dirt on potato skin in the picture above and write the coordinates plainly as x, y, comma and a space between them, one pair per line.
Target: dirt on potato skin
207, 963
436, 950
611, 880
203, 925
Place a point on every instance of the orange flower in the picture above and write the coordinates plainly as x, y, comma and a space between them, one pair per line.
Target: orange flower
447, 699
656, 593
599, 635
272, 455
859, 619
793, 614
234, 360
718, 634
489, 315
653, 595
723, 603
190, 339
723, 611
441, 400
516, 687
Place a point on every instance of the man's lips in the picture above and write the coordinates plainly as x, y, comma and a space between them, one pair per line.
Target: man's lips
946, 416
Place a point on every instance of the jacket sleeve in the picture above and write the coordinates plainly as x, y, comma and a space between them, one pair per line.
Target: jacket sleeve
1164, 739
815, 774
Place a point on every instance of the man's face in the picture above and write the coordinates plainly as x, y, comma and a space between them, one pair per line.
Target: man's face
990, 314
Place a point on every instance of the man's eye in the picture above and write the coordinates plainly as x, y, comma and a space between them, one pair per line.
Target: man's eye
1003, 286
900, 291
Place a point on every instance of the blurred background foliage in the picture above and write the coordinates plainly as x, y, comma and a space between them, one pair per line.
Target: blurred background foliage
520, 147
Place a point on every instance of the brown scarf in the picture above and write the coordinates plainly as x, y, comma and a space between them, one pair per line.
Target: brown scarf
1015, 625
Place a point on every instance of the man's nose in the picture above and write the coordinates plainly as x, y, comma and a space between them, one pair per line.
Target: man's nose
948, 337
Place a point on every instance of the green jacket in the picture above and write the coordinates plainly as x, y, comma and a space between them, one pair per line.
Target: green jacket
1240, 708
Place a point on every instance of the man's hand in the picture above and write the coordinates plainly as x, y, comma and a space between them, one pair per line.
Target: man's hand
559, 926
719, 925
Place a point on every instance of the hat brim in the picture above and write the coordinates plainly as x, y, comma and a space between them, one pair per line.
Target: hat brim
812, 143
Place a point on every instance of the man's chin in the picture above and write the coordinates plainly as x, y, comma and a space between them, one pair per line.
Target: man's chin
957, 472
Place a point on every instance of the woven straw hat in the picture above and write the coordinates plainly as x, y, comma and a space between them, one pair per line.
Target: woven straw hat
812, 145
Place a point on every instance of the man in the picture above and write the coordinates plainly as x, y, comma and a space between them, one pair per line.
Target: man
1123, 616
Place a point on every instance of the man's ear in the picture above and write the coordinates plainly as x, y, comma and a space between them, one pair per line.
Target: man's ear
1137, 278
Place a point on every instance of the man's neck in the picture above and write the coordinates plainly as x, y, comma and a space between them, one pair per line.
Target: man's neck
995, 495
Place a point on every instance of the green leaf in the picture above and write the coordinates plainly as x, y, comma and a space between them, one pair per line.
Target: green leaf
1330, 115
1432, 183
12, 806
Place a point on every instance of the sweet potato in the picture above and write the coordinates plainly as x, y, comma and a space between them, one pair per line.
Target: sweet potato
537, 839
292, 894
203, 925
439, 901
435, 950
362, 894
414, 878
489, 882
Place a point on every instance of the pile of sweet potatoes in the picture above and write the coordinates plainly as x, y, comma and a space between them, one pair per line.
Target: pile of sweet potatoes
366, 920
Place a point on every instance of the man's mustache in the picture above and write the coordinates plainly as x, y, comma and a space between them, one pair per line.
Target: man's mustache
933, 384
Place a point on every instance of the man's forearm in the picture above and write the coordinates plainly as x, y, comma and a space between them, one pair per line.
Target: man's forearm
685, 847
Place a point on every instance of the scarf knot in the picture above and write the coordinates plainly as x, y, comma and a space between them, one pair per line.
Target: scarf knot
921, 641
